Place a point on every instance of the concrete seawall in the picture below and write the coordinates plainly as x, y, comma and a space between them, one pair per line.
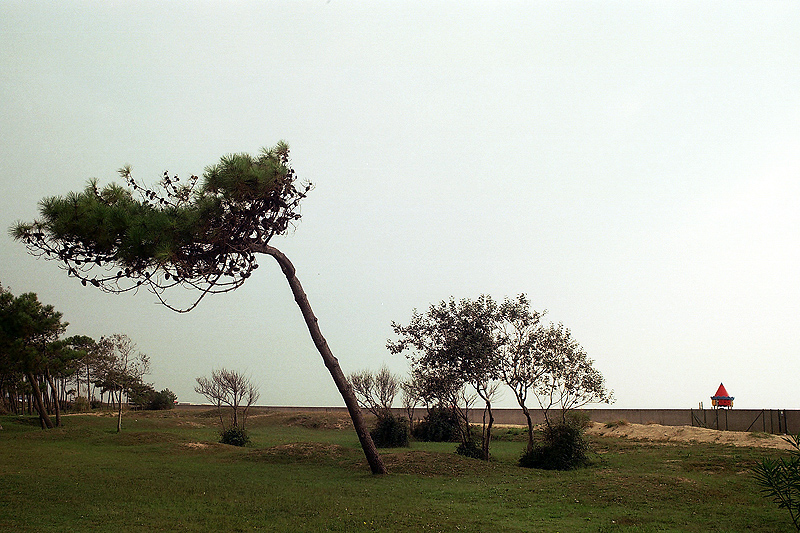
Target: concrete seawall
777, 421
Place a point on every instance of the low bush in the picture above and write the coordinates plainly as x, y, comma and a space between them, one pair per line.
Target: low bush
616, 423
470, 449
439, 425
562, 447
391, 432
578, 419
235, 436
80, 405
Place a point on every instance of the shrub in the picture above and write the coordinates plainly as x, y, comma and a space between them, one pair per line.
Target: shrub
160, 401
235, 436
470, 449
616, 423
391, 432
80, 405
780, 480
562, 448
439, 425
579, 419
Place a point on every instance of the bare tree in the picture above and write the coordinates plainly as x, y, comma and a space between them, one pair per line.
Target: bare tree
375, 392
412, 395
231, 388
123, 367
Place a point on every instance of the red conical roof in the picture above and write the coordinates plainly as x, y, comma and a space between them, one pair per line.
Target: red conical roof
721, 392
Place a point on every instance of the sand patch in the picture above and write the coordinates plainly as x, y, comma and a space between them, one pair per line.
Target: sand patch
196, 445
683, 434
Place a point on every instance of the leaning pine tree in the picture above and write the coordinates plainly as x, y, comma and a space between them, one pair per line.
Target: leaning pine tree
203, 235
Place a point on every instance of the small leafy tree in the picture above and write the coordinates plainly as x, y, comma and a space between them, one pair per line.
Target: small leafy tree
780, 480
452, 345
83, 348
232, 389
522, 359
123, 367
198, 235
571, 380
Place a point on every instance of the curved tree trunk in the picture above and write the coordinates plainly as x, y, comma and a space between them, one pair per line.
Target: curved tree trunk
37, 394
55, 397
119, 413
487, 434
530, 425
370, 451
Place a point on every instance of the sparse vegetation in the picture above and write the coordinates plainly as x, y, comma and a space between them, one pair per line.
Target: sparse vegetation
297, 458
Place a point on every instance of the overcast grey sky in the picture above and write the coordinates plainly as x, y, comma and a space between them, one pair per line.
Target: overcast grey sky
634, 167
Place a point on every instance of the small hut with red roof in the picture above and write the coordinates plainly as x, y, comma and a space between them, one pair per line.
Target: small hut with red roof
721, 398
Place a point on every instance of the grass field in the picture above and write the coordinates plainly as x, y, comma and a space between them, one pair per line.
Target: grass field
165, 472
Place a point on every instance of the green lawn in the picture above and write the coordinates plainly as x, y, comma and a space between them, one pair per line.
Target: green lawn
165, 472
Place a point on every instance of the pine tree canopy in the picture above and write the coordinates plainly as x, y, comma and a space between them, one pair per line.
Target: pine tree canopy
201, 234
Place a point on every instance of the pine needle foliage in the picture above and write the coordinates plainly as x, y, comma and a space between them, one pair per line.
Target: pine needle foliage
199, 234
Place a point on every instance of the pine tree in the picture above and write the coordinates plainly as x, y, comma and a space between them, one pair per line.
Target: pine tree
203, 235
